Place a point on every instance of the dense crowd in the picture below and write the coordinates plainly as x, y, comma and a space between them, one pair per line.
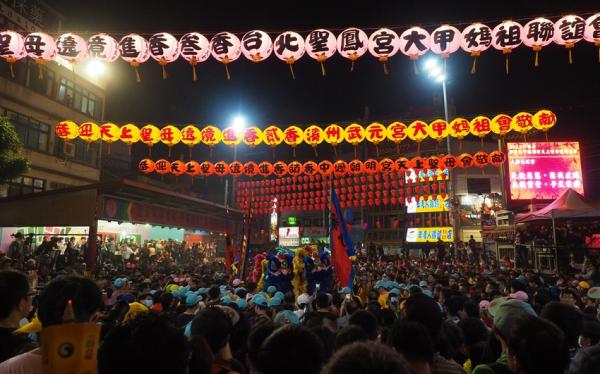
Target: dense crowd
171, 310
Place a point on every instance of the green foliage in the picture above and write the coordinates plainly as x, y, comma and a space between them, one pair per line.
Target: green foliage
12, 161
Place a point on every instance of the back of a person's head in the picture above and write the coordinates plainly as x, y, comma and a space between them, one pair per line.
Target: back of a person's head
412, 340
474, 331
146, 344
589, 362
423, 309
450, 340
83, 292
366, 321
538, 346
366, 357
471, 309
259, 333
213, 326
567, 318
455, 303
292, 349
591, 330
349, 335
214, 292
351, 307
14, 287
327, 338
323, 301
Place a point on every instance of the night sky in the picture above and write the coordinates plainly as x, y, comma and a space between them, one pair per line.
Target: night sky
265, 93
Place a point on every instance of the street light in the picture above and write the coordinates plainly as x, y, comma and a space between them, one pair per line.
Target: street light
438, 74
238, 124
95, 68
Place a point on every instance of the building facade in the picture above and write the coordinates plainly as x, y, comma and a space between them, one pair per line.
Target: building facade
35, 105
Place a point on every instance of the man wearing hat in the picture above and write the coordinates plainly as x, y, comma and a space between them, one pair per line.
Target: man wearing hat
191, 308
506, 314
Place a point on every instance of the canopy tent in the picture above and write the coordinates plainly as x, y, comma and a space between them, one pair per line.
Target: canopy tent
569, 204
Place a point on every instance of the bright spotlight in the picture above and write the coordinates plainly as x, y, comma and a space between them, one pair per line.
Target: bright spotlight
239, 123
95, 68
435, 72
430, 63
440, 78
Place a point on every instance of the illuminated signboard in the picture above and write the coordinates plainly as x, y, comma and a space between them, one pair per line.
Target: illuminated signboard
429, 234
429, 205
292, 221
289, 236
411, 176
542, 171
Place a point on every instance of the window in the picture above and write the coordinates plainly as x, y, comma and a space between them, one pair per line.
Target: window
478, 186
78, 98
43, 86
32, 133
25, 185
84, 153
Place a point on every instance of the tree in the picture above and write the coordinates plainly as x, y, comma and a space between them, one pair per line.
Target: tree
12, 161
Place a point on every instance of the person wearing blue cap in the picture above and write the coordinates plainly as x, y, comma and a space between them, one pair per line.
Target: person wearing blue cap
242, 304
226, 300
279, 295
271, 290
261, 312
274, 302
286, 317
191, 308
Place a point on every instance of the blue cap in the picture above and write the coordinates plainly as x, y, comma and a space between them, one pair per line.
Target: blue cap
202, 291
119, 282
395, 291
279, 295
413, 288
345, 291
259, 299
423, 284
428, 293
179, 293
402, 286
241, 303
226, 300
192, 299
379, 284
286, 317
271, 289
239, 289
388, 285
275, 301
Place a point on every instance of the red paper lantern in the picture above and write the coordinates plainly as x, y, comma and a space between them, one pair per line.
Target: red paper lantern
465, 160
265, 169
325, 168
497, 158
417, 163
481, 159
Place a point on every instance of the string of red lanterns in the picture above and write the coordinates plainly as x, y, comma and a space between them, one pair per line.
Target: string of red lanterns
325, 168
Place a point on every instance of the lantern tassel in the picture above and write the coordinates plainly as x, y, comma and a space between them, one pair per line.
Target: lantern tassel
315, 150
135, 65
481, 142
385, 69
108, 152
398, 148
294, 152
546, 135
211, 153
506, 52
190, 153
194, 62
292, 71
598, 44
40, 63
149, 152
170, 148
474, 66
164, 72
12, 72
273, 153
335, 151
414, 63
460, 144
128, 148
352, 66
570, 56
227, 72
323, 73
377, 150
418, 148
537, 60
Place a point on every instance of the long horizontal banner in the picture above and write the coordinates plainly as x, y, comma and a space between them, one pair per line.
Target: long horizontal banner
339, 168
290, 46
314, 135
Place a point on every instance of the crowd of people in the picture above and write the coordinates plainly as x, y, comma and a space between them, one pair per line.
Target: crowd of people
171, 310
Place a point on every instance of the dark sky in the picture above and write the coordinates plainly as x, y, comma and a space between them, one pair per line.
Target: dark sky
265, 92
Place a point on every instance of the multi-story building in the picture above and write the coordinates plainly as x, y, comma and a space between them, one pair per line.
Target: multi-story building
35, 105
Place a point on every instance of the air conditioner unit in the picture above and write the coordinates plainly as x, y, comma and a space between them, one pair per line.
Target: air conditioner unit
69, 149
